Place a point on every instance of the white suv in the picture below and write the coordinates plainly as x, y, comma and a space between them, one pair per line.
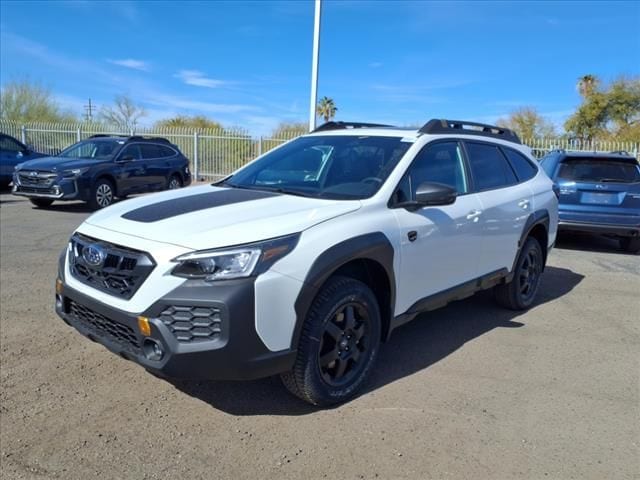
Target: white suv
303, 261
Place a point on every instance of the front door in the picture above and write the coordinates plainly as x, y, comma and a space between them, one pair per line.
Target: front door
440, 245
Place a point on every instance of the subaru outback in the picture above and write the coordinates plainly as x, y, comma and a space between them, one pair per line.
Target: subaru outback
101, 168
303, 262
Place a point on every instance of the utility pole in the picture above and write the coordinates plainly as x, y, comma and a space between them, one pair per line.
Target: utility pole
89, 111
314, 67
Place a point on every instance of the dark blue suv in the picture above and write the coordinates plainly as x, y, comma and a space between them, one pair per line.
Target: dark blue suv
12, 152
599, 193
101, 168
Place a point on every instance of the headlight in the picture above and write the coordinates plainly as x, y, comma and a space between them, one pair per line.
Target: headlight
75, 172
236, 262
18, 166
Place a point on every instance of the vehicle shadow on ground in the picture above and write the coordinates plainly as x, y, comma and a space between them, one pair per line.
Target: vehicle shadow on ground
589, 243
413, 347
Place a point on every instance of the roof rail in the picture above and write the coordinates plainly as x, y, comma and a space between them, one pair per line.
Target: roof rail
436, 126
621, 152
345, 125
106, 135
153, 139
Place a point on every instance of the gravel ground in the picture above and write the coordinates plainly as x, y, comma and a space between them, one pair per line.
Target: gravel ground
469, 391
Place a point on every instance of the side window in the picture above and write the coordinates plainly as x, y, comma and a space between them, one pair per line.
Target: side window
522, 166
133, 150
489, 167
150, 151
440, 162
9, 144
548, 165
166, 151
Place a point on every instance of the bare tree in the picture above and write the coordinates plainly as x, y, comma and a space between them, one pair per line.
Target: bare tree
124, 113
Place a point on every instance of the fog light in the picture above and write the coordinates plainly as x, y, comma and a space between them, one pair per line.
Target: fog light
58, 286
144, 326
152, 350
56, 190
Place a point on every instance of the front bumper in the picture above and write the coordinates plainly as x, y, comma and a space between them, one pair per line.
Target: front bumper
231, 349
599, 228
61, 189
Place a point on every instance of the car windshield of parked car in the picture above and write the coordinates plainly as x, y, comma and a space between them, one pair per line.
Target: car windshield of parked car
344, 167
599, 170
90, 149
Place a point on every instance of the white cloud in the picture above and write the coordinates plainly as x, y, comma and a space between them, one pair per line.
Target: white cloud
199, 79
131, 63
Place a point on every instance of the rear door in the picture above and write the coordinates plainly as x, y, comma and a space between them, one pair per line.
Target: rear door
132, 171
603, 190
506, 205
157, 165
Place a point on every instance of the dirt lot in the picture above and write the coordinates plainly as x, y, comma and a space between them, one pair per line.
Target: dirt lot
470, 391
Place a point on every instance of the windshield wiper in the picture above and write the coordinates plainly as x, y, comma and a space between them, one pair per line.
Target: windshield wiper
613, 180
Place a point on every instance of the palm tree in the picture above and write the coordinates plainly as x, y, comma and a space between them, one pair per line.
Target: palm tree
326, 108
587, 85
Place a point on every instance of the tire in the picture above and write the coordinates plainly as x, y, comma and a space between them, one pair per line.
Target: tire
338, 345
4, 186
630, 244
102, 194
174, 182
41, 202
520, 292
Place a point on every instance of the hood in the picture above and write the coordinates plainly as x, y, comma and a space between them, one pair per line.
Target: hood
211, 217
55, 164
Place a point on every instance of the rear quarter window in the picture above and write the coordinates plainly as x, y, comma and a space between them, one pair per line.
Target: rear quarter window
489, 167
524, 169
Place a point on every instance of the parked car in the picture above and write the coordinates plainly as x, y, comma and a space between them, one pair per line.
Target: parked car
599, 194
101, 168
12, 152
303, 261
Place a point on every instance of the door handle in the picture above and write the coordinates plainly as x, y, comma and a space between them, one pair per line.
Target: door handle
524, 204
473, 215
412, 235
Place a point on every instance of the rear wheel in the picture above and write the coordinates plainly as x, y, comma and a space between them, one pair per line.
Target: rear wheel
520, 292
338, 345
174, 182
102, 194
630, 244
41, 202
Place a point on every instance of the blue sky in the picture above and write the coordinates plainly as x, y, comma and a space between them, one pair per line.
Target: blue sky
249, 63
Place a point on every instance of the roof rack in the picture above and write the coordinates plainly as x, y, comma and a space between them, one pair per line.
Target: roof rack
107, 135
436, 126
345, 125
621, 152
154, 139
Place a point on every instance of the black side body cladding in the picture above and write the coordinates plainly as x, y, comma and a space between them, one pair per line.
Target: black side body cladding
372, 246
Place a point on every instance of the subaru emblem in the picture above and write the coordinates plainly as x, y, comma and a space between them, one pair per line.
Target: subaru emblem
93, 255
33, 174
601, 186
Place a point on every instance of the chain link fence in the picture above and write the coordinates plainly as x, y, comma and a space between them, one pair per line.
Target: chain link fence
217, 153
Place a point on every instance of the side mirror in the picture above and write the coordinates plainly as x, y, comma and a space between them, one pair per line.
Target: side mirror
430, 194
126, 158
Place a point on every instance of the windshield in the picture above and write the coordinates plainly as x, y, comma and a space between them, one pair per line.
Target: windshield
96, 149
599, 170
338, 167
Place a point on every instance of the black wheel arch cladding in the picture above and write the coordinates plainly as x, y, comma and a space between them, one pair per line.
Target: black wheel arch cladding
374, 247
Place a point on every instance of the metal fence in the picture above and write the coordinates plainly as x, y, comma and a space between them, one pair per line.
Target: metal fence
217, 153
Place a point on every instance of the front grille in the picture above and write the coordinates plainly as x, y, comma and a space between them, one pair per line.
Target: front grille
36, 179
120, 271
48, 191
193, 324
103, 326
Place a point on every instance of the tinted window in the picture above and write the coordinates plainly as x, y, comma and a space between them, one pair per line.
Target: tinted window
598, 170
150, 150
166, 151
548, 164
9, 144
98, 149
489, 167
523, 167
325, 166
439, 162
131, 150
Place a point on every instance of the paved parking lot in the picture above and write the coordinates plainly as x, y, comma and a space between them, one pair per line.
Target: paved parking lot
470, 391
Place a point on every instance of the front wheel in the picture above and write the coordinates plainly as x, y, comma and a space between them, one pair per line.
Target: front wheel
41, 202
102, 194
338, 345
630, 244
520, 292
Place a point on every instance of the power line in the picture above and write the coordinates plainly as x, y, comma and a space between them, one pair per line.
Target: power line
89, 111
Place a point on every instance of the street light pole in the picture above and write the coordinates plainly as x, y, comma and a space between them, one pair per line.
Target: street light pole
314, 67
